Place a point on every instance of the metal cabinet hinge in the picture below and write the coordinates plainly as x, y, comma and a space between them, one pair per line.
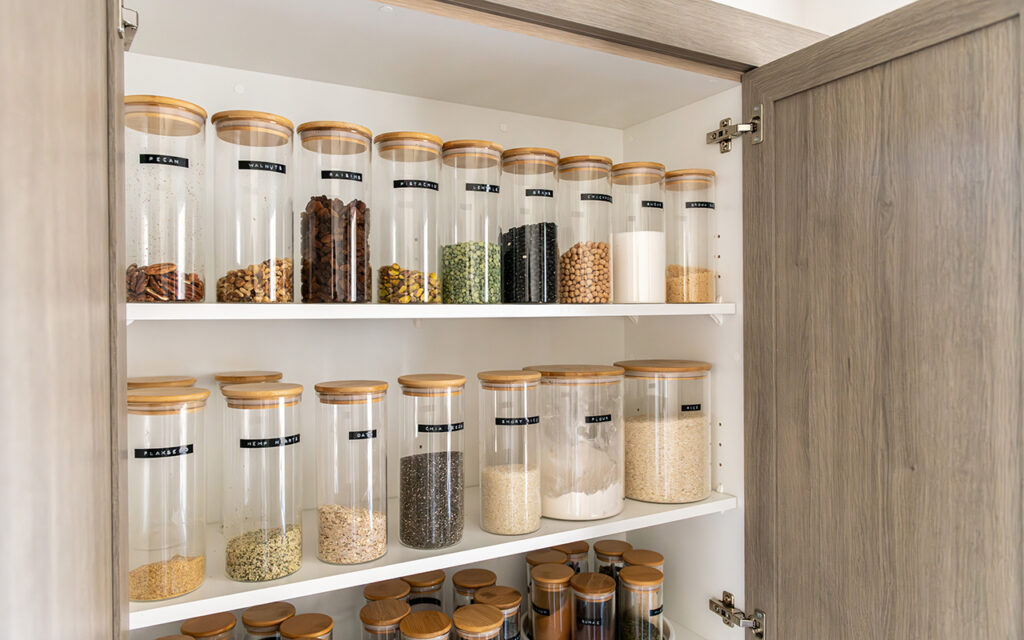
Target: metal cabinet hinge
129, 25
727, 131
733, 617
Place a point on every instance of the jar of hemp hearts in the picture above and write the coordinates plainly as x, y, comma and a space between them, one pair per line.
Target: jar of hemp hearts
381, 619
263, 621
262, 482
690, 202
215, 626
584, 230
166, 546
307, 626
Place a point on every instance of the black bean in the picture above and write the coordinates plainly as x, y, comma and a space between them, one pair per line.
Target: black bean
529, 261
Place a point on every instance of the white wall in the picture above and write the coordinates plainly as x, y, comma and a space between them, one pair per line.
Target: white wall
824, 16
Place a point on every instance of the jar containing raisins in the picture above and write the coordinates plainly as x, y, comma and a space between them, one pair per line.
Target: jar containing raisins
477, 622
381, 619
509, 602
690, 202
640, 604
308, 626
593, 606
465, 584
426, 625
263, 621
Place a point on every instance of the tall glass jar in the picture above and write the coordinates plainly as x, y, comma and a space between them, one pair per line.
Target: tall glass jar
638, 240
351, 471
467, 582
534, 559
431, 468
308, 626
551, 602
426, 591
215, 626
608, 556
426, 625
578, 555
262, 501
381, 619
477, 622
167, 549
644, 558
593, 606
509, 454
253, 200
409, 170
529, 231
582, 476
470, 255
584, 230
640, 605
334, 223
165, 160
394, 589
690, 197
668, 433
142, 382
508, 601
263, 621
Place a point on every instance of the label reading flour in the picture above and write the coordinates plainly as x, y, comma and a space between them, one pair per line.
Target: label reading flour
440, 428
652, 204
540, 193
516, 422
483, 188
333, 174
362, 435
153, 158
267, 443
414, 184
165, 452
690, 407
596, 419
254, 165
697, 204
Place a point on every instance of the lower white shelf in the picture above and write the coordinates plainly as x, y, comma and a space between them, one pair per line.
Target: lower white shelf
218, 593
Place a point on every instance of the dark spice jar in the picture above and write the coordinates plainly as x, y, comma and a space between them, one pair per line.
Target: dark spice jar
529, 234
593, 603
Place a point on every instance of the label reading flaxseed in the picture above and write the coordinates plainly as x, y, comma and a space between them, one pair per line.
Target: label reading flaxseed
414, 184
267, 443
697, 204
607, 417
516, 422
440, 428
334, 174
690, 407
362, 435
482, 188
652, 204
155, 158
600, 197
164, 452
255, 165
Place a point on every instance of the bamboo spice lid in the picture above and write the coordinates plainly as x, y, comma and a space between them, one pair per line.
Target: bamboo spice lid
478, 618
426, 579
241, 377
306, 625
474, 579
140, 382
664, 365
551, 574
384, 613
393, 589
573, 548
167, 395
498, 596
270, 614
209, 625
546, 556
643, 558
611, 548
641, 576
593, 583
425, 624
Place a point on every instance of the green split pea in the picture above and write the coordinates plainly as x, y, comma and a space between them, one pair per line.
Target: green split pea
470, 273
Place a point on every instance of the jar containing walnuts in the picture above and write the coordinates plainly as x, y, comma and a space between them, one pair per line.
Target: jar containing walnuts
584, 226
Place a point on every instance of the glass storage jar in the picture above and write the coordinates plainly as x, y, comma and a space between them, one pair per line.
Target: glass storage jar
381, 619
608, 556
311, 626
263, 621
508, 601
640, 603
638, 238
426, 591
165, 178
509, 460
466, 582
644, 558
578, 555
431, 474
581, 421
143, 382
262, 501
529, 231
584, 230
551, 602
470, 255
394, 589
689, 229
351, 471
534, 559
253, 200
668, 433
593, 606
167, 550
426, 625
334, 223
215, 626
409, 170
477, 622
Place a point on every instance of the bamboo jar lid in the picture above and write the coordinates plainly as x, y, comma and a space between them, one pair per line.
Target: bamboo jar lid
306, 625
551, 575
425, 624
140, 382
546, 556
577, 373
384, 613
258, 395
351, 391
331, 137
664, 366
594, 584
426, 579
408, 146
428, 384
478, 618
242, 377
270, 614
209, 625
573, 548
394, 589
474, 579
498, 596
637, 173
611, 548
471, 154
167, 396
640, 576
529, 160
163, 116
643, 558
507, 379
252, 128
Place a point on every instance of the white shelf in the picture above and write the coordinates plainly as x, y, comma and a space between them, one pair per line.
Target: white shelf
218, 593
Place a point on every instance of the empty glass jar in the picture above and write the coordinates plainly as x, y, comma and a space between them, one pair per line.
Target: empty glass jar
508, 601
551, 602
263, 621
465, 584
426, 591
381, 619
309, 626
638, 238
584, 230
690, 202
529, 232
477, 622
640, 604
593, 606
578, 555
426, 625
394, 589
215, 626
608, 556
142, 382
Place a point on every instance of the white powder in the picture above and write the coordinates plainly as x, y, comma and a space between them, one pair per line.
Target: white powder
585, 506
638, 266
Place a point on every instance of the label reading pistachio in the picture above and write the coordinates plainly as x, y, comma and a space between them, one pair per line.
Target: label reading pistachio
165, 452
153, 158
255, 165
334, 174
440, 428
266, 443
414, 184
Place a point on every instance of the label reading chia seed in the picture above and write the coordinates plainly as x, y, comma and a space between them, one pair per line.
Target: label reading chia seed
543, 193
153, 158
332, 174
415, 601
657, 612
690, 407
595, 419
254, 165
362, 435
440, 428
483, 188
516, 422
652, 204
541, 611
414, 184
697, 204
267, 443
602, 197
165, 452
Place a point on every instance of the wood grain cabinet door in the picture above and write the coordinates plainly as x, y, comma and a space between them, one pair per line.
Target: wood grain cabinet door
883, 338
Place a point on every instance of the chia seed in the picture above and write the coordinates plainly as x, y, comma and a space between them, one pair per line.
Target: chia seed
431, 500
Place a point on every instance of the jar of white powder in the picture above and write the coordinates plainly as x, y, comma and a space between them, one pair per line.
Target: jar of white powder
638, 233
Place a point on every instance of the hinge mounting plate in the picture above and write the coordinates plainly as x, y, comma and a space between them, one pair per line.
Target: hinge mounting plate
129, 25
733, 617
727, 131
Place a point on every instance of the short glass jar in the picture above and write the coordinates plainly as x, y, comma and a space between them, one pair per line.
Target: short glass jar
165, 178
593, 606
143, 382
166, 544
426, 591
584, 230
638, 238
477, 622
509, 602
608, 556
381, 619
308, 626
689, 229
509, 454
263, 621
466, 582
394, 589
578, 555
426, 625
534, 559
640, 604
529, 231
551, 602
215, 626
668, 432
644, 558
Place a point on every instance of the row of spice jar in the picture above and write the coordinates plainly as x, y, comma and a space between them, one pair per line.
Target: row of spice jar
269, 621
521, 225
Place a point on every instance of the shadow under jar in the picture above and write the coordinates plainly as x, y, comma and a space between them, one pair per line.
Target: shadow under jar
529, 232
638, 233
690, 202
334, 225
165, 158
584, 228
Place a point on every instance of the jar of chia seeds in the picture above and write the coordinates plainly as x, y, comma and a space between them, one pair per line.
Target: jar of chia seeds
509, 452
477, 622
426, 591
638, 237
689, 230
535, 559
215, 626
263, 621
644, 558
394, 589
470, 255
262, 497
426, 625
431, 474
308, 626
166, 545
584, 230
593, 606
529, 231
143, 382
551, 602
509, 602
381, 619
578, 553
467, 582
640, 603
608, 556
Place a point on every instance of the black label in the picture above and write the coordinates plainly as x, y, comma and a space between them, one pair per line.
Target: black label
516, 422
332, 174
589, 622
415, 601
483, 188
440, 428
657, 612
255, 165
602, 197
543, 193
515, 637
267, 443
652, 204
594, 419
690, 407
362, 435
541, 611
153, 158
414, 184
700, 205
165, 452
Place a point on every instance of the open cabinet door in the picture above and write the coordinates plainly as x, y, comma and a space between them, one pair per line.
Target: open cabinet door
883, 342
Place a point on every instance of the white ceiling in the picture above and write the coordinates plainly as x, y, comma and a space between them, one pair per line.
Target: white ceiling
362, 43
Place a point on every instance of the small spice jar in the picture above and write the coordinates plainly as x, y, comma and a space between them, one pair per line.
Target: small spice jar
431, 509
640, 603
535, 559
638, 238
608, 556
477, 622
382, 618
689, 229
593, 606
144, 382
253, 202
351, 471
313, 626
426, 591
394, 589
215, 626
644, 558
509, 455
465, 584
166, 546
529, 231
426, 625
263, 621
578, 553
551, 602
470, 255
334, 226
262, 501
581, 464
584, 229
508, 601
668, 433
409, 169
165, 158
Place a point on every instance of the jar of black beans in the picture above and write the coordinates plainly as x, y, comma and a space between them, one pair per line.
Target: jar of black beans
529, 234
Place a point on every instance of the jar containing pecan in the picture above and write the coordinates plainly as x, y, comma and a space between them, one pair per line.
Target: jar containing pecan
165, 158
533, 559
409, 167
215, 626
253, 200
166, 547
551, 602
308, 626
394, 589
578, 553
509, 602
263, 621
584, 229
334, 226
477, 622
142, 382
426, 591
529, 231
381, 619
638, 238
690, 201
640, 604
593, 606
466, 582
608, 556
426, 625
644, 558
